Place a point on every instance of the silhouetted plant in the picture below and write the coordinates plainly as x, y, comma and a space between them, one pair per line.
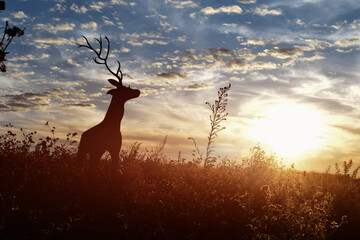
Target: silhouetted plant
346, 169
218, 114
196, 153
8, 35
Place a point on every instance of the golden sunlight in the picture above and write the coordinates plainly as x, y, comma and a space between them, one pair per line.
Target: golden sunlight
289, 130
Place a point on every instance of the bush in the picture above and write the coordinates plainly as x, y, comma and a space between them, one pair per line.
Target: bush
44, 195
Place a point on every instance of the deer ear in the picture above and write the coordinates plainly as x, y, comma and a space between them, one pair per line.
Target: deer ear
111, 91
114, 82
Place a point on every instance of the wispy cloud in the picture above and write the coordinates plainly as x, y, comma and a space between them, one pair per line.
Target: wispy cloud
78, 9
97, 6
121, 2
198, 86
171, 75
282, 53
42, 100
264, 10
30, 57
90, 25
55, 40
77, 105
347, 42
19, 14
182, 4
53, 29
58, 7
247, 1
260, 41
234, 9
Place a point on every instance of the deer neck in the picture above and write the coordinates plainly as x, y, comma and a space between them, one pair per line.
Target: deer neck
115, 112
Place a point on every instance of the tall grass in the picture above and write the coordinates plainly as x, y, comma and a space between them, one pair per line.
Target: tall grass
44, 195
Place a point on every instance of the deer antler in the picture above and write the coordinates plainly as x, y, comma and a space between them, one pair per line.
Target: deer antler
103, 60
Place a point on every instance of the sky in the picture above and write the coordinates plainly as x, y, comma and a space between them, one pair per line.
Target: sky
293, 67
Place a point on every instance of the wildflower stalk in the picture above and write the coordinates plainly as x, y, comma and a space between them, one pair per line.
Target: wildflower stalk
218, 110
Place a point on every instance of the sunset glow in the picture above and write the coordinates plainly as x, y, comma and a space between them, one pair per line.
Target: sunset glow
289, 129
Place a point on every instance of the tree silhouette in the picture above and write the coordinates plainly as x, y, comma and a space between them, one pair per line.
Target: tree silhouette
8, 35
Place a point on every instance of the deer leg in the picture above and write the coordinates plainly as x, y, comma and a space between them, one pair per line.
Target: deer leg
94, 162
115, 159
80, 158
81, 154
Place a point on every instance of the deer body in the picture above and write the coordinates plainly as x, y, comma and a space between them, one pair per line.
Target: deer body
106, 135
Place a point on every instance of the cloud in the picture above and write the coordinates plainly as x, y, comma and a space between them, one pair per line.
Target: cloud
331, 105
26, 101
92, 25
29, 57
42, 100
77, 105
107, 21
153, 41
224, 9
349, 129
247, 1
236, 64
119, 2
182, 38
78, 9
260, 41
125, 50
264, 10
97, 6
19, 14
55, 40
282, 53
65, 26
139, 39
198, 86
156, 14
167, 26
263, 65
347, 42
71, 62
344, 51
338, 25
171, 75
147, 91
317, 56
299, 22
182, 4
320, 44
355, 24
19, 74
53, 29
58, 7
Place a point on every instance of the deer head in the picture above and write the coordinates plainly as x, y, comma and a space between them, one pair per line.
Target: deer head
121, 92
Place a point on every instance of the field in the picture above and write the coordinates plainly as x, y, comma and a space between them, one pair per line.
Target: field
45, 195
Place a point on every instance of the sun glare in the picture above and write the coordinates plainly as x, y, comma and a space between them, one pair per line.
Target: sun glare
289, 130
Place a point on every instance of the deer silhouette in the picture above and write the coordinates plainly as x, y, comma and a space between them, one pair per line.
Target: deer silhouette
106, 135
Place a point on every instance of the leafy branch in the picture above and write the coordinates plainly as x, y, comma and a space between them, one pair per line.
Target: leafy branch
8, 35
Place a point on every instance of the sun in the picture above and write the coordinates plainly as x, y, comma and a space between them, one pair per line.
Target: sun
289, 130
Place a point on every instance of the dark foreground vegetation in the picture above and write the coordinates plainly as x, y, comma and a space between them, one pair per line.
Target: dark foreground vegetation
44, 195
